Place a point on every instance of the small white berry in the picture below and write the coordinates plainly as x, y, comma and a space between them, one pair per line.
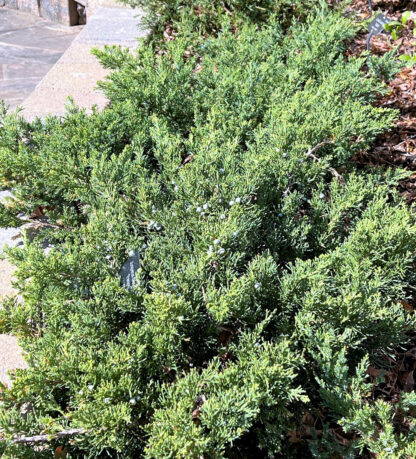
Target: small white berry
199, 209
238, 200
205, 206
235, 234
231, 203
221, 171
257, 285
222, 216
131, 253
284, 155
132, 401
80, 392
176, 188
90, 387
221, 251
321, 196
217, 241
107, 400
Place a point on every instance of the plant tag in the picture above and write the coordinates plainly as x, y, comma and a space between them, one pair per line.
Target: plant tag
129, 269
377, 25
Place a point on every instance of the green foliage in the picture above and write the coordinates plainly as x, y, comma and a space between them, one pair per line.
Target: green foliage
208, 17
270, 278
257, 384
395, 27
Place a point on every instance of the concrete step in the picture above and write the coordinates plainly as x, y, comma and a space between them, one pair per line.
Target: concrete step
77, 71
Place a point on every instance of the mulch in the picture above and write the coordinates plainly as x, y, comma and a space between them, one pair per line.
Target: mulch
398, 147
392, 375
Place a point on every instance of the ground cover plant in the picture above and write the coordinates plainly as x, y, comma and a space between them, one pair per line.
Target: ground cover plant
207, 17
272, 272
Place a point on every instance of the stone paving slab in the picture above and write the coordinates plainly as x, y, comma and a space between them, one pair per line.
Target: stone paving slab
29, 47
114, 26
6, 272
17, 70
49, 100
80, 52
77, 71
10, 357
16, 91
73, 78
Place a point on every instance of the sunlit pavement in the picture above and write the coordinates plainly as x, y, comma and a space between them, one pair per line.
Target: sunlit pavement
29, 47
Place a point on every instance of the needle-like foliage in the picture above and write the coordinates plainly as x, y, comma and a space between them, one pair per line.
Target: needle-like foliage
270, 268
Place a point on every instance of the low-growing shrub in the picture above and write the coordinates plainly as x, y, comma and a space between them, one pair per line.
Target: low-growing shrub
270, 269
207, 17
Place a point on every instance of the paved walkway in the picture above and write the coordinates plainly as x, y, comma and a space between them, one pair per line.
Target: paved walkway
29, 47
76, 72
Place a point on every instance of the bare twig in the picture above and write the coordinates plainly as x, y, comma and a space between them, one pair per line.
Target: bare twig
47, 438
287, 191
411, 137
310, 154
409, 156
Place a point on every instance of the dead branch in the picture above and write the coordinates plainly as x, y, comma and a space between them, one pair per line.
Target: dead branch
310, 154
47, 438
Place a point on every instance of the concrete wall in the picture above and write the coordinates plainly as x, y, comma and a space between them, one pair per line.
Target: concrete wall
62, 11
68, 12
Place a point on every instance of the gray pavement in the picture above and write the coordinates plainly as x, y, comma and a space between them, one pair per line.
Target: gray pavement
77, 71
29, 47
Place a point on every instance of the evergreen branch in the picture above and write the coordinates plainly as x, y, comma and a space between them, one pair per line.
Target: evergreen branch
310, 154
47, 438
